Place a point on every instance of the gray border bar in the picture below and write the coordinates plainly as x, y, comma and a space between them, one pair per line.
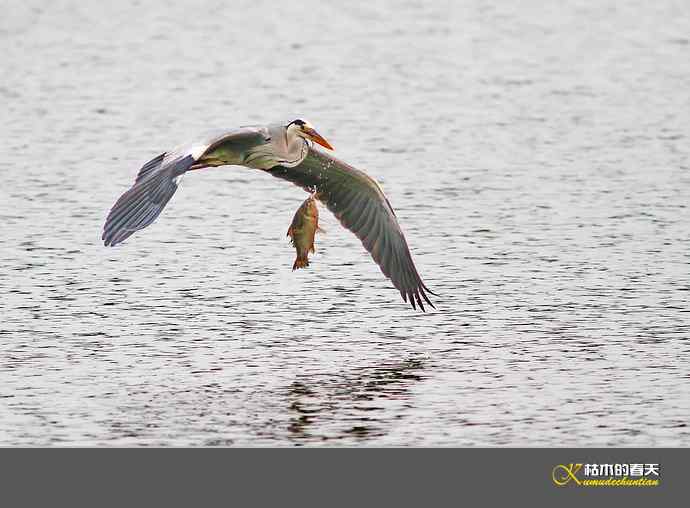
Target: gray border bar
326, 477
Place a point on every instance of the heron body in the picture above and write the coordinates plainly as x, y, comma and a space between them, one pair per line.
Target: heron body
285, 152
255, 147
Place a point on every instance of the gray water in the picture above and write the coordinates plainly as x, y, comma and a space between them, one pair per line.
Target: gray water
537, 156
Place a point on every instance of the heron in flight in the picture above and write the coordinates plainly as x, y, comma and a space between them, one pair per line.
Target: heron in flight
285, 151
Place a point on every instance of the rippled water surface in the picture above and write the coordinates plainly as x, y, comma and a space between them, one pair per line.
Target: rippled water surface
537, 156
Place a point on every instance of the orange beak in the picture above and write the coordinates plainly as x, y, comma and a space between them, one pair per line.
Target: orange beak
318, 138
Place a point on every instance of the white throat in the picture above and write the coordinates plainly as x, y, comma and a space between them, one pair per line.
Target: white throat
296, 147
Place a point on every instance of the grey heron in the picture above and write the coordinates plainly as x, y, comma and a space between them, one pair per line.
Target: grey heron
284, 151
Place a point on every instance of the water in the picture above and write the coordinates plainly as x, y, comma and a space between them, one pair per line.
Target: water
537, 158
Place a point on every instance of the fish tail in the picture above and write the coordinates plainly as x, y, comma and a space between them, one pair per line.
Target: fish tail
300, 262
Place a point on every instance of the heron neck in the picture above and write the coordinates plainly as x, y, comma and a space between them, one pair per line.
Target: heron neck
297, 150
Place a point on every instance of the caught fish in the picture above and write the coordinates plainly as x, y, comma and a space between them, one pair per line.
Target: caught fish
304, 226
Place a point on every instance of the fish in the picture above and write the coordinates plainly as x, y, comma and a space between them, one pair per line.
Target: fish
304, 226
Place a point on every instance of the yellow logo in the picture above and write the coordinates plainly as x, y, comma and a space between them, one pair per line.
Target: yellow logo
563, 474
606, 475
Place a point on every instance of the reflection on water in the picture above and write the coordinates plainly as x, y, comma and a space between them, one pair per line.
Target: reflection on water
354, 401
536, 155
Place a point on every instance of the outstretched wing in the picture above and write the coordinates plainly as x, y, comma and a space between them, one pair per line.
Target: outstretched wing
157, 180
145, 200
361, 206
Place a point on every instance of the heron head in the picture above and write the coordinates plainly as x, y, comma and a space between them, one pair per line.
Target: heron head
305, 130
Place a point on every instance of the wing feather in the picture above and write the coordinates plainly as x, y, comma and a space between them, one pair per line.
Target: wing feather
360, 205
150, 167
156, 181
141, 205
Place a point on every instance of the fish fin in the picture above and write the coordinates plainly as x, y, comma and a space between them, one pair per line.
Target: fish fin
300, 262
289, 233
320, 230
313, 248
